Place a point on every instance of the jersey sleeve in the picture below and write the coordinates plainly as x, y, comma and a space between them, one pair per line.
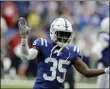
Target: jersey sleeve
77, 52
40, 42
37, 42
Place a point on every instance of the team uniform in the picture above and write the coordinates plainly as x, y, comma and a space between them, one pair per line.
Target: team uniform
55, 57
105, 52
52, 68
103, 80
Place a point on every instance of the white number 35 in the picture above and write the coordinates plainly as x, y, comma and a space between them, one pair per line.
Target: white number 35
56, 65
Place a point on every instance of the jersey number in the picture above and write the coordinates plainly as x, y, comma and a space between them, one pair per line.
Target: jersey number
56, 65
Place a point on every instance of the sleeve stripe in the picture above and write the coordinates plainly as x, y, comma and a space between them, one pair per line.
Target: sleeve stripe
74, 48
77, 49
42, 42
45, 42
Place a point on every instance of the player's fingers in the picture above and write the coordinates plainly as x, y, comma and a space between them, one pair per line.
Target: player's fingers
20, 26
22, 21
29, 27
23, 26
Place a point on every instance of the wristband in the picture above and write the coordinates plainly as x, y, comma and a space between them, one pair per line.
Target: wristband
24, 41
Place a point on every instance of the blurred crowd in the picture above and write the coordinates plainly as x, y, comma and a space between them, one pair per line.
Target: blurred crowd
85, 17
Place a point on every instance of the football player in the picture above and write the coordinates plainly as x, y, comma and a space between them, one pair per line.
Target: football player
55, 56
101, 50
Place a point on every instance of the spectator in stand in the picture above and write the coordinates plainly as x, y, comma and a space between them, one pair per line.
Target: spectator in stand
10, 13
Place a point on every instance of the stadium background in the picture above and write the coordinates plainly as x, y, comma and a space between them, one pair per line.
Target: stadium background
85, 17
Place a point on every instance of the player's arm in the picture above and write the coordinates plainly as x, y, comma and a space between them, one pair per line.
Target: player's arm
25, 52
83, 69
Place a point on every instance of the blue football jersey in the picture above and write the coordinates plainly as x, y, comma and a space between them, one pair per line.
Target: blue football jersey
52, 68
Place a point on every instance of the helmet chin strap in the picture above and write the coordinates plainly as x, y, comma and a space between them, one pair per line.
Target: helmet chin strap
58, 51
52, 50
62, 46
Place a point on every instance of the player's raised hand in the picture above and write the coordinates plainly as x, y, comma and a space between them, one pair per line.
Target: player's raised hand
23, 27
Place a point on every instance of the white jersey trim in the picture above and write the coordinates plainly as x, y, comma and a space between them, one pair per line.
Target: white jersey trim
42, 42
74, 49
45, 42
